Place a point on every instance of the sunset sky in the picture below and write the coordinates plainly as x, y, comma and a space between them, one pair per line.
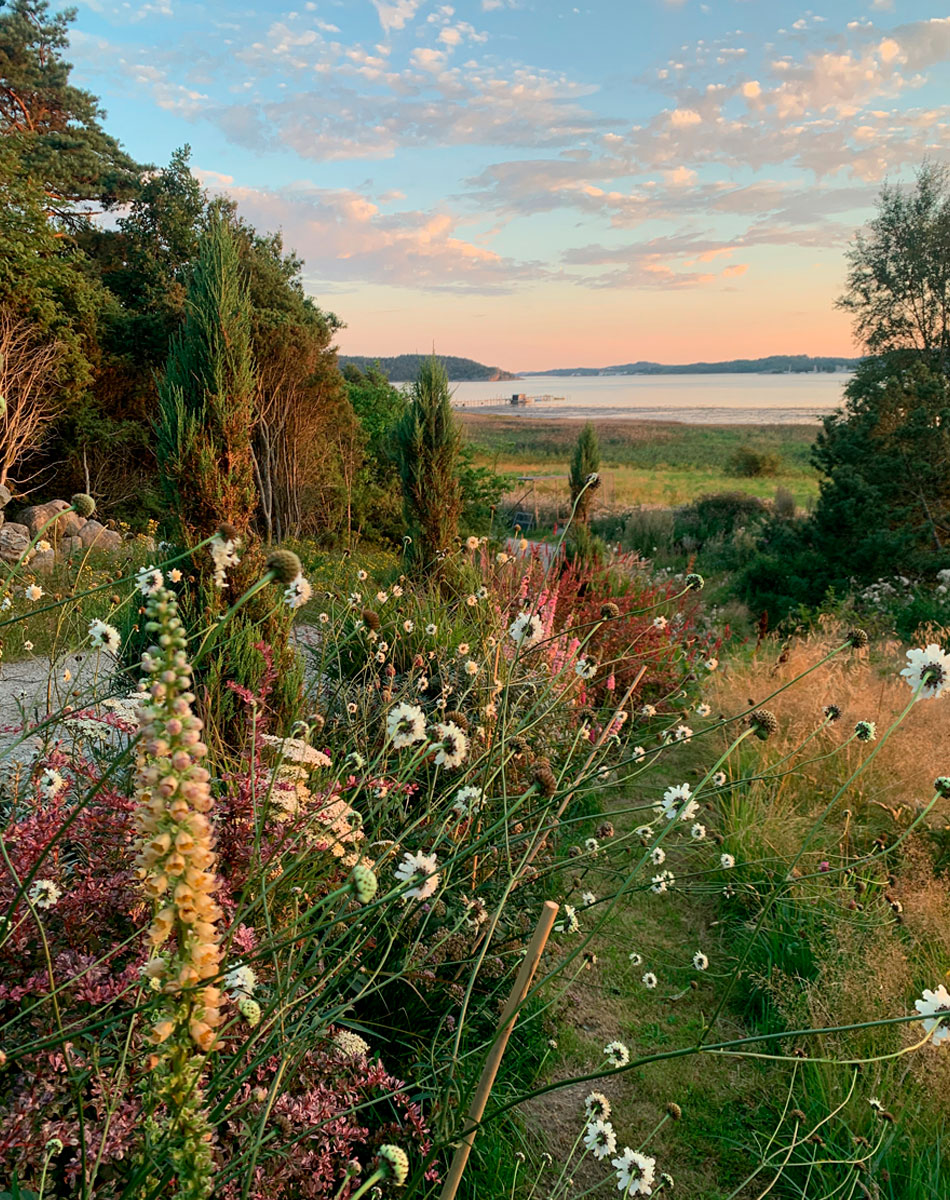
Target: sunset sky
532, 183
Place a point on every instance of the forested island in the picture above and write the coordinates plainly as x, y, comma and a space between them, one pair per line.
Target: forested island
774, 364
404, 367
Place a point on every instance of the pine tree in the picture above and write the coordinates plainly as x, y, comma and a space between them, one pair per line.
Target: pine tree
206, 398
585, 462
428, 443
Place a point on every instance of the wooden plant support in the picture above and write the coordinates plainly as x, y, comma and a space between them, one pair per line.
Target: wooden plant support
505, 1025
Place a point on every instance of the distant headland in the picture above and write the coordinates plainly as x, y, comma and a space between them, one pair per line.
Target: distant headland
403, 367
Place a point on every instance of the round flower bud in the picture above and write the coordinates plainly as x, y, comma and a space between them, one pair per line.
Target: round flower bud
285, 566
942, 786
592, 481
228, 531
609, 611
695, 580
458, 719
83, 505
250, 1010
363, 883
54, 1146
370, 619
857, 639
393, 1160
832, 712
763, 722
865, 731
673, 1110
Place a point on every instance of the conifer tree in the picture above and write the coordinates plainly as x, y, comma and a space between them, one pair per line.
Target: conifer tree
428, 444
585, 462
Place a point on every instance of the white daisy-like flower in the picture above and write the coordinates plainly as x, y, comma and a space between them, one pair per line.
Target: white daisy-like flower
719, 779
703, 710
585, 669
697, 832
682, 733
105, 636
467, 800
727, 862
452, 745
501, 558
644, 833
700, 961
361, 575
5, 603
591, 845
408, 626
51, 783
527, 629
600, 1139
420, 870
648, 710
596, 1106
677, 804
927, 670
43, 546
33, 592
298, 592
660, 622
405, 725
396, 589
240, 979
175, 575
149, 580
45, 894
324, 618
382, 597
617, 1054
471, 543
935, 1008
432, 630
658, 856
638, 752
355, 598
27, 646
636, 1173
711, 664
588, 898
471, 601
570, 924
636, 959
662, 883
471, 667
649, 981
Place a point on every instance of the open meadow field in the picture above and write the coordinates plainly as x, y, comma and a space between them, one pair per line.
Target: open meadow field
647, 463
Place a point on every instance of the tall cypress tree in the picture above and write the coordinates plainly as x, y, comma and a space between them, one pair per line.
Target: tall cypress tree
205, 426
206, 397
428, 442
584, 463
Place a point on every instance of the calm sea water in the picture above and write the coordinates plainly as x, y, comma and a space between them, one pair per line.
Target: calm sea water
695, 399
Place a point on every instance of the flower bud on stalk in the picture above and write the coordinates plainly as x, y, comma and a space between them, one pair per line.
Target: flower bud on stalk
175, 864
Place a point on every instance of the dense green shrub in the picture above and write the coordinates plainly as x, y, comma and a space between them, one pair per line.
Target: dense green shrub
749, 463
716, 516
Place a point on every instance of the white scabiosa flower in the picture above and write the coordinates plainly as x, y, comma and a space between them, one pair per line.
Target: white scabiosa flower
649, 981
648, 711
224, 555
727, 862
361, 575
600, 1139
570, 924
700, 961
711, 664
617, 1054
662, 883
33, 592
471, 543
104, 636
658, 856
636, 959
467, 800
677, 804
719, 779
407, 626
51, 783
585, 668
240, 980
935, 1008
697, 832
452, 745
865, 731
636, 1172
419, 870
588, 898
703, 710
297, 592
638, 752
660, 622
432, 630
596, 1107
149, 580
591, 845
526, 630
405, 725
927, 671
45, 894
471, 667
682, 733
382, 597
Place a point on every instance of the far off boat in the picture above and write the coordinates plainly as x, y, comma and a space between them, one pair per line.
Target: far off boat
517, 399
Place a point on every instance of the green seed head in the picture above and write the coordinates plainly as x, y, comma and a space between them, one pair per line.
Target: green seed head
84, 505
364, 884
285, 566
